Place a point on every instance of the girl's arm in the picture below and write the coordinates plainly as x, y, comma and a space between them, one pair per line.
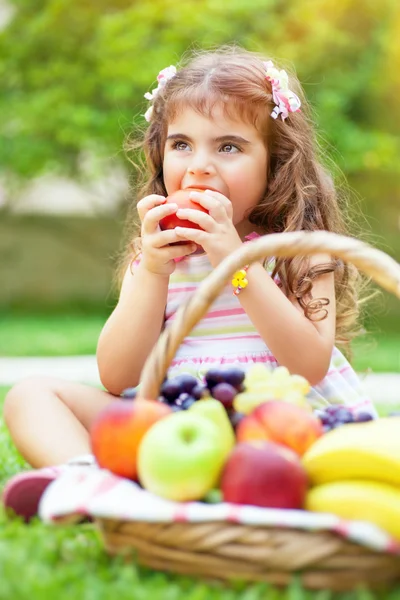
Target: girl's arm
132, 329
134, 326
303, 346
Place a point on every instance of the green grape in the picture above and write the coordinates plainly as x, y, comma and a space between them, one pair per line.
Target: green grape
263, 384
281, 374
300, 383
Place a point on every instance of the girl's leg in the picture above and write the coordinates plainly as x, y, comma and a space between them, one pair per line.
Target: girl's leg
49, 419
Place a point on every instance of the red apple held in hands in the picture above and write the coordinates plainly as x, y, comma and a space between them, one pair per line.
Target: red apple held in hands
118, 430
283, 423
181, 198
264, 474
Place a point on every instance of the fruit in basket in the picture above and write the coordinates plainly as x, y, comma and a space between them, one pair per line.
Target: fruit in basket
182, 391
283, 423
118, 430
369, 450
263, 384
235, 418
181, 457
264, 474
213, 409
337, 415
181, 198
225, 394
371, 501
225, 374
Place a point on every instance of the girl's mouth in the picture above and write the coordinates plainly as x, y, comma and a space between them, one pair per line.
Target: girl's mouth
202, 188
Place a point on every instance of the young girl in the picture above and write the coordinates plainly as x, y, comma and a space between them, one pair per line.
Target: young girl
237, 129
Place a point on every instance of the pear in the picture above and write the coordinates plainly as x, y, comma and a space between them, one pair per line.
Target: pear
212, 409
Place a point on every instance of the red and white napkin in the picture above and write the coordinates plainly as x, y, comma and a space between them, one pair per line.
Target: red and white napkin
99, 493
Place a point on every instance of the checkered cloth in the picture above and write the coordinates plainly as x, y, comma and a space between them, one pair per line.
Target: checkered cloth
99, 493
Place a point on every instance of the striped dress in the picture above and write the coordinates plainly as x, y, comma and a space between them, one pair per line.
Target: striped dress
227, 336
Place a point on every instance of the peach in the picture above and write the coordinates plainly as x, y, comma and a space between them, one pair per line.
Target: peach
264, 474
118, 430
283, 423
181, 198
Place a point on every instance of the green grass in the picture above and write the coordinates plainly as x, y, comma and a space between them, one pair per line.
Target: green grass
53, 335
379, 353
41, 561
68, 335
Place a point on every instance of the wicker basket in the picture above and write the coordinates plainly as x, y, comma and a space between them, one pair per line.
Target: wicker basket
226, 551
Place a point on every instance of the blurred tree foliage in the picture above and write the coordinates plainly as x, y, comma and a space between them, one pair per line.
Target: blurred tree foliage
73, 72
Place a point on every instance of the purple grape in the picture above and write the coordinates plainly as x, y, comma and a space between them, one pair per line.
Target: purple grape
324, 417
129, 393
335, 416
181, 398
235, 418
186, 382
170, 390
225, 393
199, 391
234, 376
363, 416
187, 403
344, 415
332, 410
212, 377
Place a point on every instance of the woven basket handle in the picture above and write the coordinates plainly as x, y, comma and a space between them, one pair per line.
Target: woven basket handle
383, 269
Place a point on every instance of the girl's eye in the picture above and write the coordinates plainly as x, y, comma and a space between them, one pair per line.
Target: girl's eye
179, 145
229, 149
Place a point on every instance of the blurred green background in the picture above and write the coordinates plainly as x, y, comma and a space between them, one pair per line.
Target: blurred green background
73, 74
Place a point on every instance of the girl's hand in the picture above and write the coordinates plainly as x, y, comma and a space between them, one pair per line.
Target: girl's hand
218, 235
157, 255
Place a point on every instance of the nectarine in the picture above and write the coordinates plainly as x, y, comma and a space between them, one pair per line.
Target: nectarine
283, 423
118, 430
181, 198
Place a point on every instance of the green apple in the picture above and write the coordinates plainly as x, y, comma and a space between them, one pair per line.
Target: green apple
181, 457
214, 410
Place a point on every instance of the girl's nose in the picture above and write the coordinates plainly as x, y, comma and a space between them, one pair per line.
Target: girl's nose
201, 164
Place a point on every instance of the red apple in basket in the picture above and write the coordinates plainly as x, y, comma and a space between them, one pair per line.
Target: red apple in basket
118, 430
264, 474
181, 198
283, 423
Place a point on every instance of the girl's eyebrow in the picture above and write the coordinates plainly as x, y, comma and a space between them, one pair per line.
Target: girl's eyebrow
223, 138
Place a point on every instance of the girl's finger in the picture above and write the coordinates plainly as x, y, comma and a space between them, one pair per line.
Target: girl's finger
217, 208
179, 250
193, 235
204, 220
152, 218
147, 203
218, 196
163, 238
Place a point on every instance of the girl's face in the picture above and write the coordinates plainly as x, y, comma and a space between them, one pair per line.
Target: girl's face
218, 153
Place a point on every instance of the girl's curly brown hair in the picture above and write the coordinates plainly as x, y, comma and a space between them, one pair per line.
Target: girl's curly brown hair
300, 192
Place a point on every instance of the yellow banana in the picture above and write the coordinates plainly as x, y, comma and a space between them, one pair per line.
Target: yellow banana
368, 451
371, 501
